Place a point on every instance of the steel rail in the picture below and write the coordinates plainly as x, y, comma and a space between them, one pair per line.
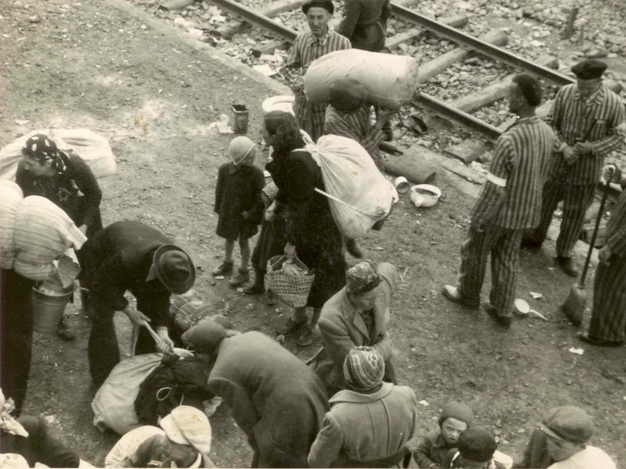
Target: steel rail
475, 44
442, 109
437, 106
255, 18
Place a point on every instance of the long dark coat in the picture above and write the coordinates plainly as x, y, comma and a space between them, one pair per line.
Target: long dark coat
309, 223
277, 400
238, 190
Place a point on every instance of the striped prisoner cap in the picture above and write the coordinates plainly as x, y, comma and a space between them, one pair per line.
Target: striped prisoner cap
363, 369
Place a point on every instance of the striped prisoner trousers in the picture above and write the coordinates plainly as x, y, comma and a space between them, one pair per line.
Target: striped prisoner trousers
576, 199
608, 319
503, 245
310, 117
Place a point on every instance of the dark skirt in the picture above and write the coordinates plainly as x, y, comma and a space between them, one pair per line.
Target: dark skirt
271, 242
608, 319
319, 245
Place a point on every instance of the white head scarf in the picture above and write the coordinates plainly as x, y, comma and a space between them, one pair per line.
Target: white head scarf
187, 425
8, 423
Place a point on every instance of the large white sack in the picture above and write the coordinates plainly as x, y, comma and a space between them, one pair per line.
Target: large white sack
114, 403
43, 232
390, 80
10, 197
360, 194
91, 147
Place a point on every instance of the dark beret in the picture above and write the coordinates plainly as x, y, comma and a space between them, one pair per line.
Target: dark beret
346, 94
325, 4
589, 69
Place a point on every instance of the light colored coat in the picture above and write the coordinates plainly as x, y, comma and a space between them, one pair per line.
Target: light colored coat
342, 328
366, 428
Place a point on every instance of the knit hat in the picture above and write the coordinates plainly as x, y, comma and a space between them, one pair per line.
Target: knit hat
174, 268
589, 69
456, 410
205, 336
325, 4
364, 369
240, 148
477, 444
568, 423
361, 278
187, 425
346, 95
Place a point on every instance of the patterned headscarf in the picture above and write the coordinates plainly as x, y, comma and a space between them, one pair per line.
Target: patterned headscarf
44, 149
361, 278
364, 369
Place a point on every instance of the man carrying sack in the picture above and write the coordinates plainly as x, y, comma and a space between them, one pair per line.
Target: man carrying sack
588, 120
130, 256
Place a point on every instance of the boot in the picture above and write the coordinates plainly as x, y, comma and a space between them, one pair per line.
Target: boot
241, 277
258, 286
353, 249
64, 331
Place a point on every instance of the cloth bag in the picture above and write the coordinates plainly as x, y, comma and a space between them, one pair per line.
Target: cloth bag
10, 197
114, 403
358, 193
91, 147
390, 80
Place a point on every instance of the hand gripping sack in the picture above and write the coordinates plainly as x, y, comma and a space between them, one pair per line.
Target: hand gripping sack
10, 197
359, 195
390, 80
91, 147
114, 404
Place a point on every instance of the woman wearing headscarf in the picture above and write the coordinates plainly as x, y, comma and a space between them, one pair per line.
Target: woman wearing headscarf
311, 231
65, 180
184, 440
357, 315
370, 422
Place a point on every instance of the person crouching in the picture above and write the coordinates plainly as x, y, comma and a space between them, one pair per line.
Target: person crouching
239, 205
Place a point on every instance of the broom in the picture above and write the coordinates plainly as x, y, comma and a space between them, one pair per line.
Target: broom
574, 305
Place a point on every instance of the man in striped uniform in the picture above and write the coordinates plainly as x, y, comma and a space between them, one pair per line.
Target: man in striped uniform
308, 47
348, 115
587, 119
509, 203
608, 317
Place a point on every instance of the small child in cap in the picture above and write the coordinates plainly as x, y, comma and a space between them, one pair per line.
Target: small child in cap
455, 417
239, 205
476, 450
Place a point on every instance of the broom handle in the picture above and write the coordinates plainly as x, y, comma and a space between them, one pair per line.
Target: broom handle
595, 233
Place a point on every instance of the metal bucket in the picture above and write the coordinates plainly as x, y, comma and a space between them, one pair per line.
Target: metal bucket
241, 114
48, 310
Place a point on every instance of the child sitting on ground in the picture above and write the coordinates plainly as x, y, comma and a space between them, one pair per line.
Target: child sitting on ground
239, 205
476, 451
455, 418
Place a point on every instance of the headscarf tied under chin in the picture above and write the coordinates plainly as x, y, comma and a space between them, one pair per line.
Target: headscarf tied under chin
187, 425
43, 149
7, 423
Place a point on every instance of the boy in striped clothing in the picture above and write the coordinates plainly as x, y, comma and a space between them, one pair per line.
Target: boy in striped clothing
509, 203
588, 120
309, 46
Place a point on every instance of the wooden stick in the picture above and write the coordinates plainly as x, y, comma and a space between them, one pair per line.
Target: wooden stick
415, 34
177, 4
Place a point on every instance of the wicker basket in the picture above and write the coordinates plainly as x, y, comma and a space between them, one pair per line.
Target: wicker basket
293, 291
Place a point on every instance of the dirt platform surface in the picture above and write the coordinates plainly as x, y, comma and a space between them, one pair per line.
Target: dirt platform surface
102, 65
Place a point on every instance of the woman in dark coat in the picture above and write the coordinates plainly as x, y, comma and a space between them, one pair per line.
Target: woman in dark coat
67, 181
311, 231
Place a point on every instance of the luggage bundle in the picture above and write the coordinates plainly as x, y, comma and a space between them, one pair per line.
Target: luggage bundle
35, 235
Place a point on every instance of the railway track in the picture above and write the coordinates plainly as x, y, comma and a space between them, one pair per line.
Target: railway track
440, 29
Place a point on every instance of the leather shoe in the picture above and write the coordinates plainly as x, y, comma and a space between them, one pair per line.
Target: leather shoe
504, 321
353, 249
586, 338
306, 339
566, 264
453, 294
65, 332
